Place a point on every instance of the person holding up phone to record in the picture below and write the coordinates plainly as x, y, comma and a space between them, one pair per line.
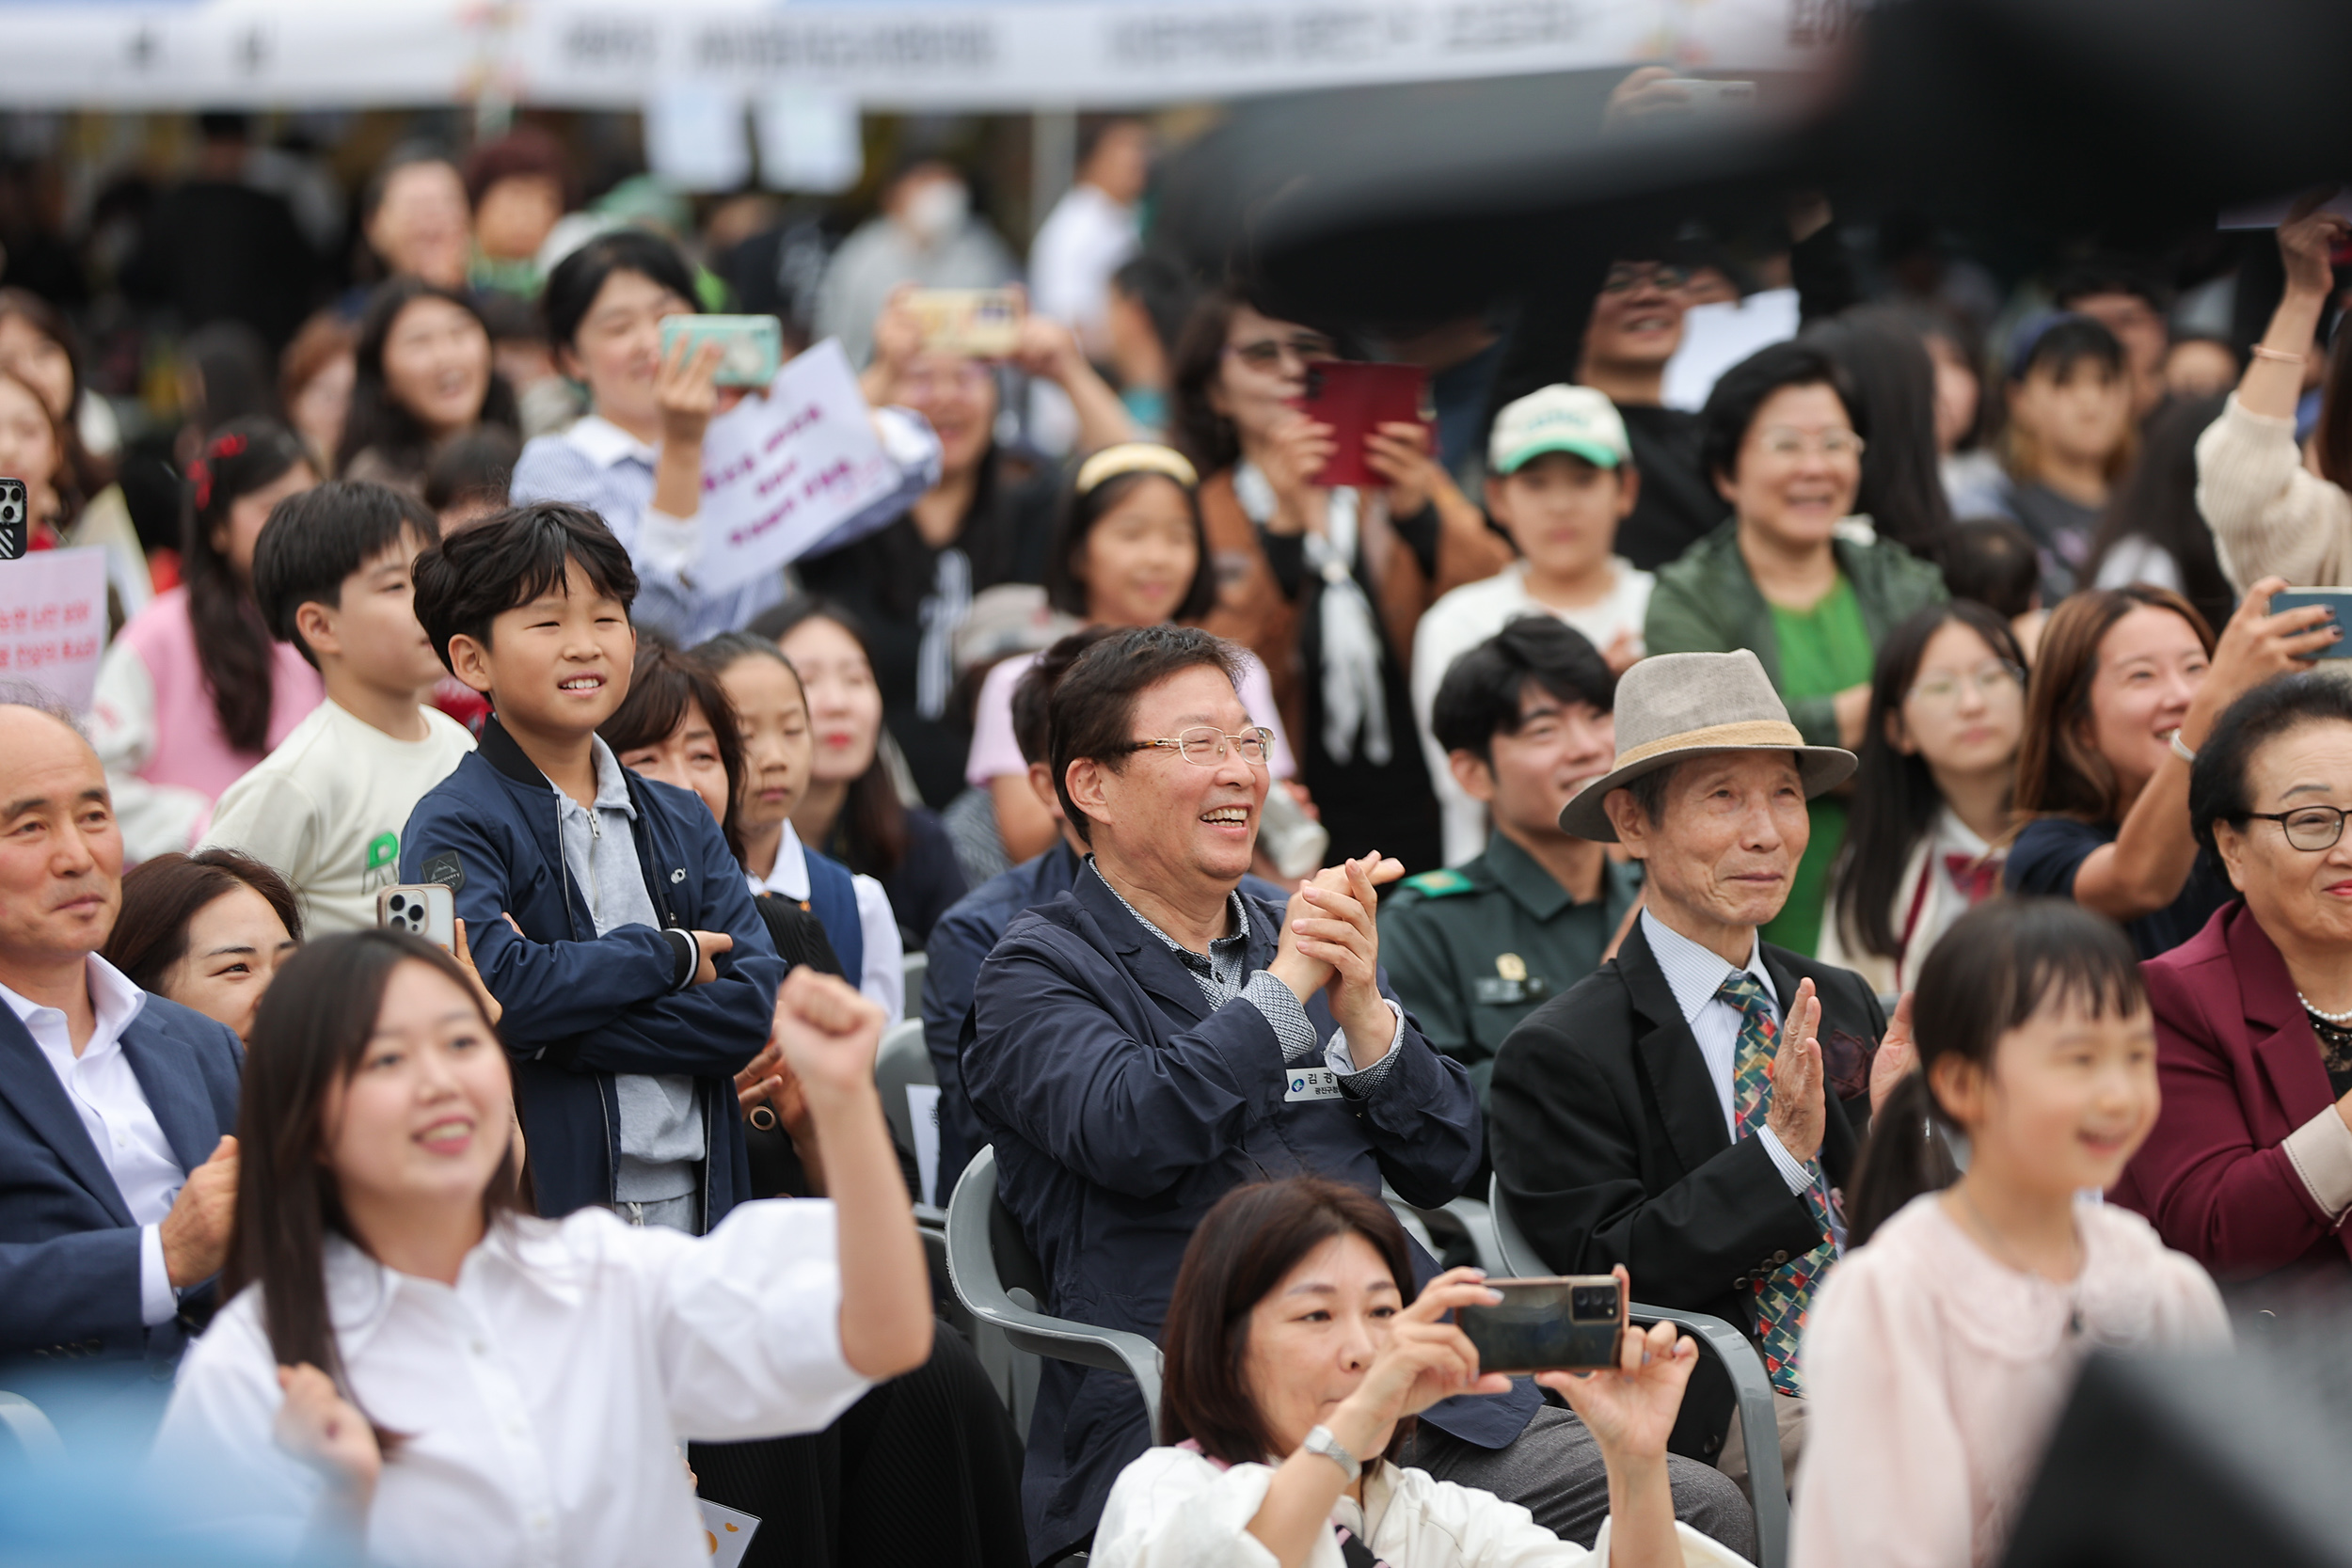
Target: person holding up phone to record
1329, 543
636, 460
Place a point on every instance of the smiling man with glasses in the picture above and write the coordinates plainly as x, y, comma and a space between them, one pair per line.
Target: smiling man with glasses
1156, 1037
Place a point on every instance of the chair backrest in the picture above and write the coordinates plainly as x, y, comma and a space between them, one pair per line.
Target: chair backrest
1725, 1352
901, 1060
988, 1258
917, 965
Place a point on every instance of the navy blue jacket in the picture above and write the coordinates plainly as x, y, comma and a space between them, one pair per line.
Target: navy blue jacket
1122, 1108
69, 1248
580, 1008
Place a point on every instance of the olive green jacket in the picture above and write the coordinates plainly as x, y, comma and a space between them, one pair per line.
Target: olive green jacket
1706, 603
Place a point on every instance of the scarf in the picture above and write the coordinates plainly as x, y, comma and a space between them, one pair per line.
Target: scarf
1355, 703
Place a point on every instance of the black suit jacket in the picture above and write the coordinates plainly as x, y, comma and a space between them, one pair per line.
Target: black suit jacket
1610, 1142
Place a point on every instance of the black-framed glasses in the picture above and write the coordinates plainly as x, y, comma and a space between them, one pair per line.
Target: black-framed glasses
1624, 277
1203, 745
1266, 353
2309, 829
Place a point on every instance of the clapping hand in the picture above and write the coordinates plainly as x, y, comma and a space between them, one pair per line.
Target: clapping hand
1897, 1055
1797, 1117
325, 1430
1631, 1411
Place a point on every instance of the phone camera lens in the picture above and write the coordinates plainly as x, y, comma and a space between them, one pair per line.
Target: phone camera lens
398, 904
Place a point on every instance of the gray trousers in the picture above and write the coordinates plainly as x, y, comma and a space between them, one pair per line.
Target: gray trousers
1554, 1471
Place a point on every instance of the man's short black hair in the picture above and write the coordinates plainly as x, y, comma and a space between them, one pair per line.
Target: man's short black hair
509, 559
1741, 390
1032, 727
315, 540
1478, 698
2109, 275
1093, 708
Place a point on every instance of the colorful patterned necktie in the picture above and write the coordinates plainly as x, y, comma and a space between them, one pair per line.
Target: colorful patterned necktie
1781, 1299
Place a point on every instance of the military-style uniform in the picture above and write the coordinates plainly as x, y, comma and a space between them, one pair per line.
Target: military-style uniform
1474, 948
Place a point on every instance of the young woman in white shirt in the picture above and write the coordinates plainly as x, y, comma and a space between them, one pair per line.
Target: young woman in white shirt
1930, 821
412, 1365
1293, 1370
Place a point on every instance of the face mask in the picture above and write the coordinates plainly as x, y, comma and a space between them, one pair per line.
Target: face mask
936, 209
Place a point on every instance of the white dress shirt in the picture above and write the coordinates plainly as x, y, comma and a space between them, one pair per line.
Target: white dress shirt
1695, 975
883, 974
542, 1398
114, 1110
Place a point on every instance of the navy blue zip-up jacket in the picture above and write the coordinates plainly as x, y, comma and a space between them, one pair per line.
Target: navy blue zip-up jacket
1122, 1108
581, 1007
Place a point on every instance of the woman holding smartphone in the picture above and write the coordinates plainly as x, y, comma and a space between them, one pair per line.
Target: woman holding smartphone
636, 459
399, 1367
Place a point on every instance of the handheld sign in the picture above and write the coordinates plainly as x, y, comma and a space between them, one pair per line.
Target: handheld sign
53, 622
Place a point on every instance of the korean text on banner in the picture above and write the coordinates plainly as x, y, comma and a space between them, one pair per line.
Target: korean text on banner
780, 470
53, 622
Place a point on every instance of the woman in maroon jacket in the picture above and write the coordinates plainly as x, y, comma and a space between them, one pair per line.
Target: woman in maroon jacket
2250, 1168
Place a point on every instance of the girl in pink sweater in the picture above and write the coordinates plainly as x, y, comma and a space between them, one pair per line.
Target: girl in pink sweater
1939, 1354
194, 693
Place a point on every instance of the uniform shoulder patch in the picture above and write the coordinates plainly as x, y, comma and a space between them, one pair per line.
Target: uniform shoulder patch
1440, 884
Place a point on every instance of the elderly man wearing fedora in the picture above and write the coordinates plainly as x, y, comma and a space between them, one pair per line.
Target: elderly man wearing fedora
1693, 1107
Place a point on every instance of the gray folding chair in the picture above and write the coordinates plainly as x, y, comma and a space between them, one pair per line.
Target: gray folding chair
1000, 1283
917, 965
901, 1060
1732, 1354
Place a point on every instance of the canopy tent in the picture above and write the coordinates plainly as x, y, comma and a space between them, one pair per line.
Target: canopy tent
878, 53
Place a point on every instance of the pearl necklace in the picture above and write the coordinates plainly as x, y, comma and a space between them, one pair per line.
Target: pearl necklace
2342, 1018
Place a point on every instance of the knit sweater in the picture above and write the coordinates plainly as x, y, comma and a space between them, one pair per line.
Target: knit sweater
2271, 515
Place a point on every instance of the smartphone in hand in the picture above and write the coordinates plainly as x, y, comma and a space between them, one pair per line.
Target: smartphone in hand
980, 323
1563, 1323
751, 347
427, 909
1356, 399
16, 520
2339, 603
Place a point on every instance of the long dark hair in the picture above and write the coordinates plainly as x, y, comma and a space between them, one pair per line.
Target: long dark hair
378, 422
65, 477
1895, 797
1893, 377
91, 473
308, 1036
2000, 963
162, 895
661, 687
232, 646
873, 822
2157, 503
2060, 770
1203, 433
2332, 439
1238, 1253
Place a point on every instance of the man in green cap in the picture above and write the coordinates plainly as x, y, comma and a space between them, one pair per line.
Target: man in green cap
1524, 718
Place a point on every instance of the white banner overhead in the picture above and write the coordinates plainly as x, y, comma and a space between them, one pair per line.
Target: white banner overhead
880, 54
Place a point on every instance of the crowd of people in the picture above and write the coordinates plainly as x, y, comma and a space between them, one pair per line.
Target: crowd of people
1860, 857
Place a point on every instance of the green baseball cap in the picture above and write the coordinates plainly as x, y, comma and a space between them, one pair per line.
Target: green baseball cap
1574, 420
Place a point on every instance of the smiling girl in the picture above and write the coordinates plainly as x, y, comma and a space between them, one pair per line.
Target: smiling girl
2127, 683
399, 1367
1940, 1351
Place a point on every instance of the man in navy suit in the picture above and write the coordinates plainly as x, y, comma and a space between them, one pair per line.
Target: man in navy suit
117, 1175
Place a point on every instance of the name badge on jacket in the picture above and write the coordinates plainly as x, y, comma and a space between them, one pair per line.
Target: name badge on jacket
1311, 1083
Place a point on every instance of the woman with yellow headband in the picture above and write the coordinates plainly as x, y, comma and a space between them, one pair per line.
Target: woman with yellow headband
1128, 550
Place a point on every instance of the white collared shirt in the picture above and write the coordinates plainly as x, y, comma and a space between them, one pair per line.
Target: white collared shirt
106, 1095
1696, 975
883, 974
542, 1398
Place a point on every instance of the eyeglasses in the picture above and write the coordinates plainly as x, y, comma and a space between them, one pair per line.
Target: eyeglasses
1266, 353
966, 379
1786, 444
1993, 678
1627, 276
1203, 745
2309, 829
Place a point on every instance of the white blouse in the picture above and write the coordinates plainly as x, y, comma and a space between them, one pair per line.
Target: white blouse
1174, 1508
542, 1401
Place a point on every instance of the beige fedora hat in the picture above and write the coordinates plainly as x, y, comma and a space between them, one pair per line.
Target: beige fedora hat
1676, 706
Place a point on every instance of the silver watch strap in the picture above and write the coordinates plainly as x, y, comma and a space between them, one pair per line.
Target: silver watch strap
1320, 1440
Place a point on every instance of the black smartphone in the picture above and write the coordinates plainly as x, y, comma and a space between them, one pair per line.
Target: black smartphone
2339, 603
16, 523
1565, 1323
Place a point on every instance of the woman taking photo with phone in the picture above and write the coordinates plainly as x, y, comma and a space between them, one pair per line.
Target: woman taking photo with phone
636, 459
399, 1370
2126, 683
195, 691
1294, 1368
1325, 585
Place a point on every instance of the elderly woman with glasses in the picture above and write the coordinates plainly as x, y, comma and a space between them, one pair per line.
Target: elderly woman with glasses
2250, 1167
1793, 576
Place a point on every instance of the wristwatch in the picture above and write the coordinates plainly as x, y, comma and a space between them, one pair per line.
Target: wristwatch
1321, 1441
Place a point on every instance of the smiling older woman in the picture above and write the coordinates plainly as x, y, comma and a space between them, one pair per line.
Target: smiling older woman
2250, 1167
1292, 1351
